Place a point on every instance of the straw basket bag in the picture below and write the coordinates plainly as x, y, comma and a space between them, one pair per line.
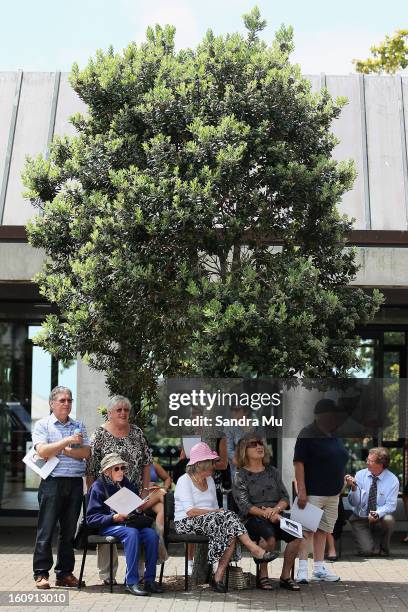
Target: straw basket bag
237, 579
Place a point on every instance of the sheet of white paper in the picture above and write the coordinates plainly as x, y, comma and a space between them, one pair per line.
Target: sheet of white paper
292, 527
309, 516
124, 501
40, 466
188, 444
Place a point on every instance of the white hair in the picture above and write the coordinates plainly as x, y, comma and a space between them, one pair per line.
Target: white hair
57, 390
118, 399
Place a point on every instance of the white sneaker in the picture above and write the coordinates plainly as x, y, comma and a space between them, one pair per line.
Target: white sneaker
302, 576
324, 575
190, 567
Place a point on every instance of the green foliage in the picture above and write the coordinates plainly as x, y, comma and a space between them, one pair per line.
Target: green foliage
156, 217
389, 56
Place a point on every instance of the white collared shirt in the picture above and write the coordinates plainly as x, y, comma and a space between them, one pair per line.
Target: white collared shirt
50, 429
387, 493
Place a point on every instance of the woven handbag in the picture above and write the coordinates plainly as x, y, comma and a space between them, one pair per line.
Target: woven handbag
237, 579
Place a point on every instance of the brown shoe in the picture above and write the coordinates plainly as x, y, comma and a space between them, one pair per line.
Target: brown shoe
41, 582
69, 582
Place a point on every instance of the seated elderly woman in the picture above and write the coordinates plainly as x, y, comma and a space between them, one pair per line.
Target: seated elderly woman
110, 523
261, 496
197, 511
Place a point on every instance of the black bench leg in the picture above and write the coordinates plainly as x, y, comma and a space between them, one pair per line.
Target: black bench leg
81, 573
111, 567
185, 566
161, 573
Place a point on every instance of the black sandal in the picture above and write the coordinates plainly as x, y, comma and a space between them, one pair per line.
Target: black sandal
265, 584
289, 584
267, 557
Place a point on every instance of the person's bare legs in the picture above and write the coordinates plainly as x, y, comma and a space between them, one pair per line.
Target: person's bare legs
319, 544
254, 548
303, 554
291, 552
158, 509
190, 551
320, 572
224, 561
331, 546
304, 546
266, 544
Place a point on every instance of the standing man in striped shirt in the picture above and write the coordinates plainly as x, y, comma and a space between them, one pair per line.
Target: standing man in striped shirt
59, 495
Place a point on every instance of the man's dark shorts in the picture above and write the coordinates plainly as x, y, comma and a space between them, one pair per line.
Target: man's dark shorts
261, 528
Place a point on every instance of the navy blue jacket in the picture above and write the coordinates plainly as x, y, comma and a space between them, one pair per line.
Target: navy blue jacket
99, 514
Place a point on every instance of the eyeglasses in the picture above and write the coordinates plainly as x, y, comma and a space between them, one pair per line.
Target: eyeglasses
64, 401
255, 443
122, 468
122, 410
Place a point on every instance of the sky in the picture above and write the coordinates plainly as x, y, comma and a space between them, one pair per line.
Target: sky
48, 35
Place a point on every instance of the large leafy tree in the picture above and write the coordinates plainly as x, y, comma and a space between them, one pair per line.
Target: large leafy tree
158, 217
389, 56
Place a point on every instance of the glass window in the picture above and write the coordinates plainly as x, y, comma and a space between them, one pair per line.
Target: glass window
25, 382
397, 338
367, 353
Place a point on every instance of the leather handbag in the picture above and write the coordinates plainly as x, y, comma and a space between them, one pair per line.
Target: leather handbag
139, 520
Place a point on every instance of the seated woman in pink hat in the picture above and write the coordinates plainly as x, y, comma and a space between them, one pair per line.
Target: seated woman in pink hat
197, 511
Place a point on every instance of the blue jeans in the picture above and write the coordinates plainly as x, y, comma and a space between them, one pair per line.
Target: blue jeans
60, 502
131, 539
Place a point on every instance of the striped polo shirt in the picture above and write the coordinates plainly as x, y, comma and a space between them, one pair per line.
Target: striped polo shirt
50, 429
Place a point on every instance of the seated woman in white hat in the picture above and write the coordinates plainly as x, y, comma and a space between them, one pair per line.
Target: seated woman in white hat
197, 511
100, 515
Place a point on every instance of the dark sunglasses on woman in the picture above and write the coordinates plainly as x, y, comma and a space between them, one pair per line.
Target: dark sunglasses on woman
119, 467
255, 443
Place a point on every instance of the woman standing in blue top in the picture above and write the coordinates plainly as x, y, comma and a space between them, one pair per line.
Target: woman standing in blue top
99, 514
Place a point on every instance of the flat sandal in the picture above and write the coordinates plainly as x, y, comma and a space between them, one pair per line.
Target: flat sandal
288, 584
265, 584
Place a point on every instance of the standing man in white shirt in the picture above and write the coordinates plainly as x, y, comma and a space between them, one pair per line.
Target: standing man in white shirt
59, 495
373, 497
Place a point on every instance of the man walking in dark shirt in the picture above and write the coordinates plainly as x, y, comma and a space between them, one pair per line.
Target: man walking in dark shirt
320, 460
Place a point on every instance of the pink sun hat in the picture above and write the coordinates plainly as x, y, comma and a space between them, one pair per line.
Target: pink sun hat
201, 452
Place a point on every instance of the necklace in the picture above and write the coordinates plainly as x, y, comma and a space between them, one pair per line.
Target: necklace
199, 484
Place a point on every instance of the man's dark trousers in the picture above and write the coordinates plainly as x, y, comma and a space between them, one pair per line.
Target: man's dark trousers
59, 501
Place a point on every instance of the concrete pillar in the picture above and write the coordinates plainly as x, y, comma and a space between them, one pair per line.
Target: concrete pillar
91, 393
288, 472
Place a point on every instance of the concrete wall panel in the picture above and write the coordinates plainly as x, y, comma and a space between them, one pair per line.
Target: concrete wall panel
91, 393
385, 159
31, 135
382, 267
68, 104
348, 128
8, 82
19, 261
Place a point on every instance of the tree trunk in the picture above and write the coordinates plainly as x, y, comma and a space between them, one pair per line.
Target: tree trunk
200, 567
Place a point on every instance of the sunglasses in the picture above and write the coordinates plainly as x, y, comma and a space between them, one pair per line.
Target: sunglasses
122, 409
122, 468
255, 443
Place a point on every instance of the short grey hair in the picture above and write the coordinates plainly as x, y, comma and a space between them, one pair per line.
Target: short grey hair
57, 390
118, 399
200, 466
381, 454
